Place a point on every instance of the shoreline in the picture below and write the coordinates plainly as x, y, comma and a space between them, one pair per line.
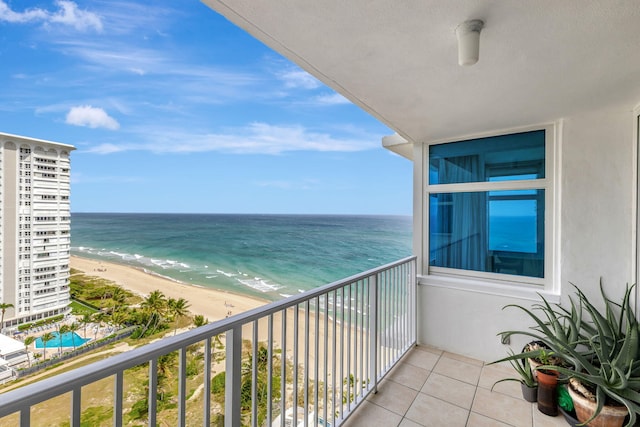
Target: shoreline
213, 304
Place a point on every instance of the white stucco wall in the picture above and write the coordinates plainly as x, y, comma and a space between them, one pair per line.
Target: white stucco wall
598, 185
597, 239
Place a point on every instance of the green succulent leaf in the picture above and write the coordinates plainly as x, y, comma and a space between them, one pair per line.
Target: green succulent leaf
601, 347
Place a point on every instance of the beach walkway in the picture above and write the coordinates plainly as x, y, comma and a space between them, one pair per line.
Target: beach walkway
434, 388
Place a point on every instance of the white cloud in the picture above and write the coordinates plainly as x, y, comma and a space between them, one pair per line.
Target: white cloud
8, 15
256, 138
86, 115
138, 71
68, 14
331, 99
297, 78
81, 20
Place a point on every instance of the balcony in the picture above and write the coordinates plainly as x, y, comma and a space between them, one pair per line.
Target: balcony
350, 358
315, 356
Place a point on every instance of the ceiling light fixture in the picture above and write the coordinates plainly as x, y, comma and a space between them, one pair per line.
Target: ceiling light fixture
468, 34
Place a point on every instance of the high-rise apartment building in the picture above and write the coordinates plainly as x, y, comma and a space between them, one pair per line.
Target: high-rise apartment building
35, 226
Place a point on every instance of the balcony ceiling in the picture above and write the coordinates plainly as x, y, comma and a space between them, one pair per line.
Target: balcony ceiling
539, 60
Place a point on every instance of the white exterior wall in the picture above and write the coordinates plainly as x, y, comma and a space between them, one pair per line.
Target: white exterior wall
35, 228
597, 239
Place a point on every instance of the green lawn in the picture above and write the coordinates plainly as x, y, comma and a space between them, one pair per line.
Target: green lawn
79, 308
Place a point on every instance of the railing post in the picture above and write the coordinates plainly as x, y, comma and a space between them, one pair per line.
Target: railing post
182, 387
153, 391
76, 410
206, 419
117, 398
373, 331
414, 299
25, 417
233, 377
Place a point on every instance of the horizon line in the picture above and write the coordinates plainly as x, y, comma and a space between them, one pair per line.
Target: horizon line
243, 213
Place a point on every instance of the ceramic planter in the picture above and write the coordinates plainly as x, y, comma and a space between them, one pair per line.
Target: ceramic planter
610, 416
569, 417
530, 394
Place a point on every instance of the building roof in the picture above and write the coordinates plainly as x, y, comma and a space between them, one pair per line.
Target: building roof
8, 345
26, 139
539, 60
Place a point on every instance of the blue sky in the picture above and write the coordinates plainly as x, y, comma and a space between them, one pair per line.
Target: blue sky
174, 109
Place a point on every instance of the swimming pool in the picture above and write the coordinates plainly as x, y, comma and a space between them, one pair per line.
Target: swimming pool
68, 339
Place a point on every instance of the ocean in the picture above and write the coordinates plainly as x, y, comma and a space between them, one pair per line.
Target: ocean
268, 256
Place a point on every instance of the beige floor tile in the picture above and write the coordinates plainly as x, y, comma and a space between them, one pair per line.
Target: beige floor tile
503, 408
477, 420
394, 397
492, 373
409, 375
458, 370
450, 390
430, 349
429, 411
371, 415
542, 420
433, 388
408, 423
422, 359
464, 359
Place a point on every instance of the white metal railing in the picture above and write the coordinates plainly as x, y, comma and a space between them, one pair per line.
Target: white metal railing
310, 359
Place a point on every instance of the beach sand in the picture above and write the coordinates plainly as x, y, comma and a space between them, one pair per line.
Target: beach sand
216, 304
213, 304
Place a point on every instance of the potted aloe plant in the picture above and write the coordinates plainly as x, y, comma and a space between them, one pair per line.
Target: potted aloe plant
527, 381
605, 382
600, 350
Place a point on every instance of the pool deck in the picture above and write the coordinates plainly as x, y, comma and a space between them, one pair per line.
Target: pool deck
93, 332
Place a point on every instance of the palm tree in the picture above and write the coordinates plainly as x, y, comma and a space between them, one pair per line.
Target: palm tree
119, 297
177, 308
3, 309
86, 319
199, 320
98, 318
155, 305
73, 328
46, 337
27, 342
61, 331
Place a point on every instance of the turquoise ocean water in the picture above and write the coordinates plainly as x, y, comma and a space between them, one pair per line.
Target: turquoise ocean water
269, 256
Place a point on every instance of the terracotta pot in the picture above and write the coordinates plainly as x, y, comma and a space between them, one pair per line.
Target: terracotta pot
610, 416
533, 363
547, 394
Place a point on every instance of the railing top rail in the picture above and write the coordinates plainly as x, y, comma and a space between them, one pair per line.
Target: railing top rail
48, 388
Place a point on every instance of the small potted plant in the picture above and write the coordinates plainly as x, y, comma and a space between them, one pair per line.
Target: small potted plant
547, 383
526, 378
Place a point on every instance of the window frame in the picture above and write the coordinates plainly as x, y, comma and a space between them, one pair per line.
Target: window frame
500, 283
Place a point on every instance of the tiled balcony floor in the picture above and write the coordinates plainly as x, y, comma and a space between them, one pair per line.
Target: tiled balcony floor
437, 389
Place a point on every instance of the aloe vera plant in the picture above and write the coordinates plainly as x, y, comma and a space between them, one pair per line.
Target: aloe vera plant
524, 371
600, 347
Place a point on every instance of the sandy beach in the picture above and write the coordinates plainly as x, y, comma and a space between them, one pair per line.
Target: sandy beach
216, 304
211, 303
